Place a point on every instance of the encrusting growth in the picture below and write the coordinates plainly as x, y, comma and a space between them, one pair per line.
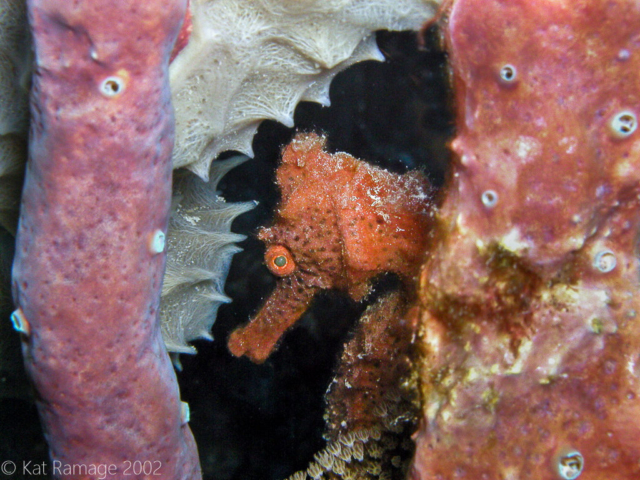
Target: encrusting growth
340, 223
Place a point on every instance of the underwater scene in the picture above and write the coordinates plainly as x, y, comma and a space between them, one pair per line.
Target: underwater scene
290, 239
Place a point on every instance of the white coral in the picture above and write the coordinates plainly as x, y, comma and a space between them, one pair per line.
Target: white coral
251, 60
199, 250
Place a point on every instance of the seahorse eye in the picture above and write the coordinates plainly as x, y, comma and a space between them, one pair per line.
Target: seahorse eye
280, 261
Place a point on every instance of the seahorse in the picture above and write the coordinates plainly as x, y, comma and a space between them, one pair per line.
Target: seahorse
340, 223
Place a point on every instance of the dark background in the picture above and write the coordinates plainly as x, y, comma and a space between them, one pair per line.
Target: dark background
264, 422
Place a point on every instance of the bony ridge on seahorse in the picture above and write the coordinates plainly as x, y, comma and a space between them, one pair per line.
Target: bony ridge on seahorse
340, 223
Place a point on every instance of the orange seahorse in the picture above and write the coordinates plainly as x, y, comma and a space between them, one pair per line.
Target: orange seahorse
340, 223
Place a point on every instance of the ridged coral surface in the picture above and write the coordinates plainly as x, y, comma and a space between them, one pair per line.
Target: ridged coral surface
200, 246
530, 330
249, 60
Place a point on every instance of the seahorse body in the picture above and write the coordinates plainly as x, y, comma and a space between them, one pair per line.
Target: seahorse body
340, 223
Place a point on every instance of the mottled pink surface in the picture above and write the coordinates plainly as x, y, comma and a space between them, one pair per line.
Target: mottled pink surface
530, 331
98, 188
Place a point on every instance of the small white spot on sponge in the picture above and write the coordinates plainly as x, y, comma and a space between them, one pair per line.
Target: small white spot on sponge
112, 86
157, 242
20, 323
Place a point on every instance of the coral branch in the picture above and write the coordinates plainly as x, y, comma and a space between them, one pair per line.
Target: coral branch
90, 249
